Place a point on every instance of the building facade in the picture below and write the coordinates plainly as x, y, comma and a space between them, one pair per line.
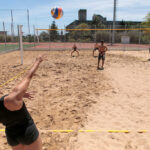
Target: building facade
82, 18
82, 15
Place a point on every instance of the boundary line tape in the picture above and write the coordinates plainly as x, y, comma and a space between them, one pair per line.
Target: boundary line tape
15, 77
90, 131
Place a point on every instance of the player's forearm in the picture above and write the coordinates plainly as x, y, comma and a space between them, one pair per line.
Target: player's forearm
23, 86
33, 69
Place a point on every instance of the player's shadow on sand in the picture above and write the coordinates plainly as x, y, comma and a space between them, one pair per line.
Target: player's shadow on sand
74, 56
100, 68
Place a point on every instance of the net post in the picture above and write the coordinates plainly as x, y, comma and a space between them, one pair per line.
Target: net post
4, 34
18, 37
49, 36
95, 34
37, 34
64, 37
110, 35
21, 44
125, 35
140, 37
34, 34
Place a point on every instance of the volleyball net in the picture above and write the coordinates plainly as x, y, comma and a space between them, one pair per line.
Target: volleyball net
131, 38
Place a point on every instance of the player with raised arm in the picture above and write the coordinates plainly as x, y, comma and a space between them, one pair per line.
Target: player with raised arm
21, 131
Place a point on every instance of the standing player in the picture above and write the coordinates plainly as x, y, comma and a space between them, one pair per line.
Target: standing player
21, 132
102, 51
96, 47
74, 50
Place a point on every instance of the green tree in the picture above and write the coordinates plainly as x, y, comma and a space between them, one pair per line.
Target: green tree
44, 36
84, 36
147, 20
122, 23
30, 38
146, 34
96, 21
54, 35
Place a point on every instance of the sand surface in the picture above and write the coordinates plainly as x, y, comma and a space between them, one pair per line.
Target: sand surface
69, 93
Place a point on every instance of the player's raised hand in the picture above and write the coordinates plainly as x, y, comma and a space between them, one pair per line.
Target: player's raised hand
42, 58
28, 95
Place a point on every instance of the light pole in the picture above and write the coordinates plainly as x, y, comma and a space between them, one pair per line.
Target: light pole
12, 26
21, 43
114, 22
28, 19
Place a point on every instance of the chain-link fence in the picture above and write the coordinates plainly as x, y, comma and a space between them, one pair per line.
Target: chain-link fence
126, 37
9, 37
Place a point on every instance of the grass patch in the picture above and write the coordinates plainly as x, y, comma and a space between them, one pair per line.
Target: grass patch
14, 46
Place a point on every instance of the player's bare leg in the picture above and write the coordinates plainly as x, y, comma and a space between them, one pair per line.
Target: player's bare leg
93, 52
98, 64
72, 53
103, 61
77, 52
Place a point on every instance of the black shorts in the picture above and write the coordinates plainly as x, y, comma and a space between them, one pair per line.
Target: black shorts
75, 49
96, 49
101, 56
24, 134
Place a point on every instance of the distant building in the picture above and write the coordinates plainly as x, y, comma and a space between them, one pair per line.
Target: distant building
82, 15
82, 18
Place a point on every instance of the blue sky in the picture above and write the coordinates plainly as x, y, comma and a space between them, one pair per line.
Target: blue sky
40, 16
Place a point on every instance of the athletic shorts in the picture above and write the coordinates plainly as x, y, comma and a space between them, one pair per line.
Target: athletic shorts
95, 49
24, 134
101, 57
75, 49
